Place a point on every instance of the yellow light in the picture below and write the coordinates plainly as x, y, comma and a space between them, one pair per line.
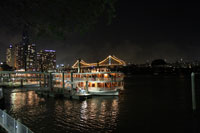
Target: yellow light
105, 75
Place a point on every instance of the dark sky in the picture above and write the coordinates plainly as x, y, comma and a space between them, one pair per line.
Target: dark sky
141, 31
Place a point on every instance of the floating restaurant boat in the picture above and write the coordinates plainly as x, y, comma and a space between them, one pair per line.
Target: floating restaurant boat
94, 83
99, 83
94, 78
100, 79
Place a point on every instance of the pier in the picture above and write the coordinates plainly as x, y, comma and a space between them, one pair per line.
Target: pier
59, 93
64, 84
44, 84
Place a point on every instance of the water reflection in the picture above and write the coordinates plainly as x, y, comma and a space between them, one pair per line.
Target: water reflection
62, 115
156, 104
84, 111
22, 100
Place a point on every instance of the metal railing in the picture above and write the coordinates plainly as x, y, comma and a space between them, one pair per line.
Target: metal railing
11, 125
98, 79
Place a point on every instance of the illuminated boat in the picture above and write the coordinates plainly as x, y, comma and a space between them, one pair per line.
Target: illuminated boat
94, 83
94, 78
99, 83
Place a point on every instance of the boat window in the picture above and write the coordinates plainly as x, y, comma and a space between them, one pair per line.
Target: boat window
99, 84
93, 84
105, 75
90, 84
107, 85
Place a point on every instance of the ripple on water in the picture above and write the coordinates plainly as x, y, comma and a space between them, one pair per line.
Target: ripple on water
141, 106
61, 115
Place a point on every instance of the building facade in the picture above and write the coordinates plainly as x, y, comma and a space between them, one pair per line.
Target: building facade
10, 56
39, 61
19, 59
22, 56
46, 60
31, 57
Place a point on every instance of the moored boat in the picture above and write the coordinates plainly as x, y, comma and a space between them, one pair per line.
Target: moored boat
100, 83
94, 83
95, 78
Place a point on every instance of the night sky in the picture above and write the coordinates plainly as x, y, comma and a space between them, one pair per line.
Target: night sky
141, 31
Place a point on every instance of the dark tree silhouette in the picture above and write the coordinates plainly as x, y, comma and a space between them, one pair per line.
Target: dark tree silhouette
54, 17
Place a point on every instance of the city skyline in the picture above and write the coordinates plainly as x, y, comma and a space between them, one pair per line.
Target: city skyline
140, 31
99, 66
177, 59
24, 56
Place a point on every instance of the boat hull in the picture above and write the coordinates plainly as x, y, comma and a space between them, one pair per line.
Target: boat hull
104, 93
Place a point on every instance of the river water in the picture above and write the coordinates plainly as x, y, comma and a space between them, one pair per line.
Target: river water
148, 104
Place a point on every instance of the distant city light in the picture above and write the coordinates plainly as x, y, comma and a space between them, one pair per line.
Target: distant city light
49, 50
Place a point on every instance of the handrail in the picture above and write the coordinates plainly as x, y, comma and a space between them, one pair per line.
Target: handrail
11, 125
22, 72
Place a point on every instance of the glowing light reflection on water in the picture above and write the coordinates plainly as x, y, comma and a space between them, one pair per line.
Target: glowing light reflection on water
148, 104
62, 115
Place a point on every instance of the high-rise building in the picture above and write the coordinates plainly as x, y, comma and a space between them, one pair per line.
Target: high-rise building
10, 56
39, 63
19, 58
31, 57
46, 60
24, 54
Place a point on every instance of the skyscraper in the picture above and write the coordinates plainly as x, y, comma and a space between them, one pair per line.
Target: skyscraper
46, 60
24, 54
39, 61
19, 59
31, 57
10, 56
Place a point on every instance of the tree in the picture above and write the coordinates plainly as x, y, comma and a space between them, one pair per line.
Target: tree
55, 17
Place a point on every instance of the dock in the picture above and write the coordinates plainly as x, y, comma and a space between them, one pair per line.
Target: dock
63, 84
59, 93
